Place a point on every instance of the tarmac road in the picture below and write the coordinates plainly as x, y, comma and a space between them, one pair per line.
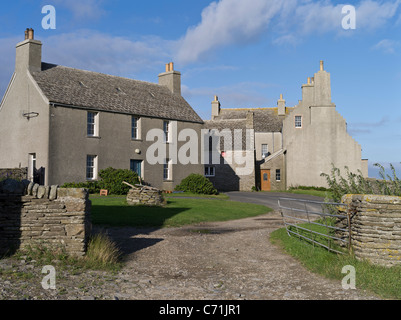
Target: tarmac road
269, 199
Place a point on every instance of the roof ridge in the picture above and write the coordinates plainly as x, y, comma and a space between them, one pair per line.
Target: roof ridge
245, 109
100, 73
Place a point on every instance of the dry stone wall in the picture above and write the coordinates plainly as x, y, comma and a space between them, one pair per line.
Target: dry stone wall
145, 196
50, 216
16, 173
376, 228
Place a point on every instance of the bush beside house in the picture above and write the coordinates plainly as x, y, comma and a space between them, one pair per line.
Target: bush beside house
110, 179
196, 183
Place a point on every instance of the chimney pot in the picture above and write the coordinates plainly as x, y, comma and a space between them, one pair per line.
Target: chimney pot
171, 79
30, 34
321, 65
26, 33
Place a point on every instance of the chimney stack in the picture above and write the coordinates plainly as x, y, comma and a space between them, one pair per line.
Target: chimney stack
322, 87
28, 53
171, 79
281, 106
215, 107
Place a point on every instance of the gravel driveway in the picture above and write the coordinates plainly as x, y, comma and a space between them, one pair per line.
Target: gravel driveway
223, 260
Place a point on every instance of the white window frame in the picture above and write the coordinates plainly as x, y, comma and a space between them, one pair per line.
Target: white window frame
210, 171
93, 125
135, 130
168, 170
278, 173
167, 131
31, 166
298, 121
264, 154
91, 165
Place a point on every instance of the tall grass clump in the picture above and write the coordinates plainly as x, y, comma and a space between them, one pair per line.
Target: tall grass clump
102, 252
355, 183
389, 185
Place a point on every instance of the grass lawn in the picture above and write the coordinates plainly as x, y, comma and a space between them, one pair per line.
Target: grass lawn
220, 196
312, 192
114, 211
385, 282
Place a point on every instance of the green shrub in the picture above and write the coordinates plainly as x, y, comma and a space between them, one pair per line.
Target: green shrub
92, 186
352, 183
196, 183
110, 179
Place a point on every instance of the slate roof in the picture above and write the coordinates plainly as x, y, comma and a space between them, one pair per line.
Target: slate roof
97, 91
265, 119
230, 125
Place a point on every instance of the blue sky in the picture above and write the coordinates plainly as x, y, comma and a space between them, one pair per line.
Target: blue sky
246, 52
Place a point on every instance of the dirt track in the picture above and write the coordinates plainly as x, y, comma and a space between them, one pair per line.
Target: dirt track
212, 261
225, 260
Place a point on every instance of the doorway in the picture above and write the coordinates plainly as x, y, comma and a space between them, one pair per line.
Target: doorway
265, 180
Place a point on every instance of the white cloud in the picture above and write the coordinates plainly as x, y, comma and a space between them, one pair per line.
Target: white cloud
236, 22
224, 23
93, 51
288, 39
374, 14
210, 69
244, 94
89, 9
104, 53
367, 127
387, 46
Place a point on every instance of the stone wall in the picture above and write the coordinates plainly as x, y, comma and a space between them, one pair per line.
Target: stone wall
376, 228
145, 196
16, 173
50, 216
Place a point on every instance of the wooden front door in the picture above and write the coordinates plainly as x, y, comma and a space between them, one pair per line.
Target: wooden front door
265, 180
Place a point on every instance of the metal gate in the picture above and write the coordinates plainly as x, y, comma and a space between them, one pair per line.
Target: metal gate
325, 224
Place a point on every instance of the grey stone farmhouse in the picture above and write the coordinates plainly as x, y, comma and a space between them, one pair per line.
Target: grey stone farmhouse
73, 123
68, 124
290, 146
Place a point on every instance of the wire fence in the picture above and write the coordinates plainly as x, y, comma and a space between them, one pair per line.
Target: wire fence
326, 224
